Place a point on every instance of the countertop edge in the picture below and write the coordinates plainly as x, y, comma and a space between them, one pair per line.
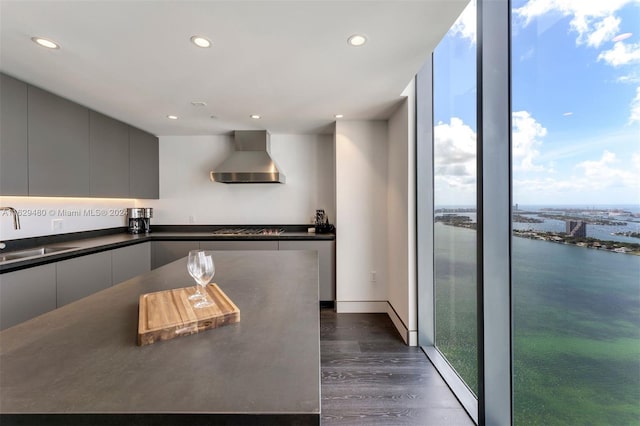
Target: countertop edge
132, 239
160, 419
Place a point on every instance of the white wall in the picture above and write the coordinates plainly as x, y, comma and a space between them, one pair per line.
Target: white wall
401, 235
361, 222
72, 214
186, 192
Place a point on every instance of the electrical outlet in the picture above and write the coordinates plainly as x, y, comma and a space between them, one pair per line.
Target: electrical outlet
56, 225
372, 276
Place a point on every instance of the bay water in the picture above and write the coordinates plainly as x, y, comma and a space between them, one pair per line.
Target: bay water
576, 328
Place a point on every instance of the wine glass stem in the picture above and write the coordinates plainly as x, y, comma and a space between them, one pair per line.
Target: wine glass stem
204, 293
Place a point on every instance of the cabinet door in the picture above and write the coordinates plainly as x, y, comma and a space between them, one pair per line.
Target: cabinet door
14, 173
239, 245
109, 147
129, 262
163, 252
326, 264
58, 145
82, 276
143, 164
26, 294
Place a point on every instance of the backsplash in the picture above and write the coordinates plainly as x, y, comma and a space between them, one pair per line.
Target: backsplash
40, 216
187, 196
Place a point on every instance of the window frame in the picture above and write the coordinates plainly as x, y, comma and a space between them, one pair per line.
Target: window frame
494, 405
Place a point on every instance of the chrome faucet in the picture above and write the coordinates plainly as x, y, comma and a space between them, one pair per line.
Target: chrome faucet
16, 221
14, 213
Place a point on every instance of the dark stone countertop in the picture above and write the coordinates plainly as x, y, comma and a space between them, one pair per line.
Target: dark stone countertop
84, 243
80, 364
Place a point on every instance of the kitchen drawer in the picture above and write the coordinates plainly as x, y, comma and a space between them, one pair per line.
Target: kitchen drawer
82, 276
326, 264
163, 252
131, 261
26, 294
239, 245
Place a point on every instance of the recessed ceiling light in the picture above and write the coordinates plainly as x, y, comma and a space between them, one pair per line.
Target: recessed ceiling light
200, 41
339, 116
172, 117
255, 116
49, 44
357, 40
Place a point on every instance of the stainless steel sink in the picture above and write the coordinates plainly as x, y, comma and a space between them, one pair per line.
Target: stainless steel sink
35, 252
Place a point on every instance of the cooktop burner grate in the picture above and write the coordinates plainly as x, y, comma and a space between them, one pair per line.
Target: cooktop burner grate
248, 231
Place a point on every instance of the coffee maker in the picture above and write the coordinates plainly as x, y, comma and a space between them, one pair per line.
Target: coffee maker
139, 220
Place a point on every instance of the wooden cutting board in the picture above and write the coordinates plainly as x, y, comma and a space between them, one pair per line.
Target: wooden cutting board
169, 314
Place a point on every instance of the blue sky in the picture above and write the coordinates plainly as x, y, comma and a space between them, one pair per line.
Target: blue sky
575, 104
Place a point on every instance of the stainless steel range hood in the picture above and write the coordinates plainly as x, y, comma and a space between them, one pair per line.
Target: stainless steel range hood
251, 162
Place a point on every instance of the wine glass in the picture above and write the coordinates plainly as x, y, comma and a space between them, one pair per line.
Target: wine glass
207, 271
193, 266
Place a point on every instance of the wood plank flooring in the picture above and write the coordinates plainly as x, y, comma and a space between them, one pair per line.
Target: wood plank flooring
370, 377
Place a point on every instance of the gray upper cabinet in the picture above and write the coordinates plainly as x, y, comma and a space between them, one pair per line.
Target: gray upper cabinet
58, 145
109, 148
143, 164
50, 146
14, 173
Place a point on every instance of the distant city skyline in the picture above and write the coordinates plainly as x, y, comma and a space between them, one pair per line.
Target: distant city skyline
575, 105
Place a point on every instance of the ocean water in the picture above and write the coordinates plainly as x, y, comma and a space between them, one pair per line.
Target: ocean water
576, 326
576, 317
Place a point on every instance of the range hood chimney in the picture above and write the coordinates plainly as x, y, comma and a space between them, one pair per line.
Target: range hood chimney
251, 162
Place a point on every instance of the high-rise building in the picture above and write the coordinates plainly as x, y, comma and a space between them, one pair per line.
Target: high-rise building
576, 228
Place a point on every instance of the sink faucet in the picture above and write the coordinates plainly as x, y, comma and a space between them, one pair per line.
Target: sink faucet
16, 221
14, 213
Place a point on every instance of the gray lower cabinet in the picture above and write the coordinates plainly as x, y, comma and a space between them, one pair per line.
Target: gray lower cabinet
239, 245
82, 276
14, 155
143, 164
163, 252
26, 294
58, 145
131, 261
109, 146
326, 264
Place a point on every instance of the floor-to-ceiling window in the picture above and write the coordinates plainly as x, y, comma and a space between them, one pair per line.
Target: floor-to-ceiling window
556, 268
576, 219
454, 192
447, 210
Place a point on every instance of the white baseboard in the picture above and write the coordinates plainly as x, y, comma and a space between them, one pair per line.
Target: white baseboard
361, 307
410, 337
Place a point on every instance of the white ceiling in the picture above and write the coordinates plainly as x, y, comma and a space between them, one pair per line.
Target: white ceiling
285, 60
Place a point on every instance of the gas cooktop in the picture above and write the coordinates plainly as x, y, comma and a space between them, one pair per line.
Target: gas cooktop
248, 231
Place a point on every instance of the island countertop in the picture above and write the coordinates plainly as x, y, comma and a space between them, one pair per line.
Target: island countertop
80, 363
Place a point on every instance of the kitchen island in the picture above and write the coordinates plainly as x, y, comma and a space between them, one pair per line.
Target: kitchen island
80, 364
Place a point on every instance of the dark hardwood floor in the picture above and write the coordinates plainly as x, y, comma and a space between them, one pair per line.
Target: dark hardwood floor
370, 377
